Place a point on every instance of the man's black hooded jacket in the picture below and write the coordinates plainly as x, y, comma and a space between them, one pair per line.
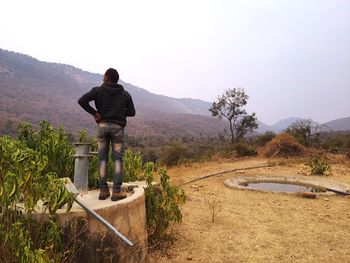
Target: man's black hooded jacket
112, 102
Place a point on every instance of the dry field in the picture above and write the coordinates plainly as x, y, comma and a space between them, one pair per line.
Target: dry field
252, 226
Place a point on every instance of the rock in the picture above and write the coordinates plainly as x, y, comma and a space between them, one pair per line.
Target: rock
309, 195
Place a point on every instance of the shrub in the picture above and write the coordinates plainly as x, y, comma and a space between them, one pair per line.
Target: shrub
150, 154
348, 154
52, 143
93, 177
162, 205
263, 139
133, 166
243, 149
162, 200
336, 142
284, 145
173, 154
333, 148
347, 141
305, 131
332, 144
23, 178
319, 166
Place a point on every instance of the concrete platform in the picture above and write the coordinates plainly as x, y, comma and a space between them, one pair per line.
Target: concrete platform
96, 242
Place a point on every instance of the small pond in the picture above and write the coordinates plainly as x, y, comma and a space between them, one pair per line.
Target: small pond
288, 184
285, 187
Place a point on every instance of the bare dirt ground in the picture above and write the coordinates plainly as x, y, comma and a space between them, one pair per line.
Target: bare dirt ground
252, 226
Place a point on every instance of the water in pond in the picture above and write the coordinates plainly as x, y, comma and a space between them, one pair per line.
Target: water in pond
277, 187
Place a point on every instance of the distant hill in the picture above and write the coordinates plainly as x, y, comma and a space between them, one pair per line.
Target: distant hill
264, 128
32, 90
342, 124
284, 123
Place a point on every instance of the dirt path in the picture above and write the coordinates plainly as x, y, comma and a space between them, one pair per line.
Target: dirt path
255, 226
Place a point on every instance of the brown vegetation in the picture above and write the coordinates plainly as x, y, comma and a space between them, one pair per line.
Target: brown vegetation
283, 145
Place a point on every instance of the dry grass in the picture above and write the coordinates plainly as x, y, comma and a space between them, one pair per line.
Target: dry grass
255, 226
284, 145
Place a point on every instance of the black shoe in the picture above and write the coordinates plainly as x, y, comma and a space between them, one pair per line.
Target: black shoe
104, 194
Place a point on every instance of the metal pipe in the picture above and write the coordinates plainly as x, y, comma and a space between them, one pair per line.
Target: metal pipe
104, 222
81, 166
227, 171
71, 188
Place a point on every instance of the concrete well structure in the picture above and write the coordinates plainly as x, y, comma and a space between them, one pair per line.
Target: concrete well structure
95, 242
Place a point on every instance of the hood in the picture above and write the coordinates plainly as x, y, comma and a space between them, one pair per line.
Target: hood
112, 88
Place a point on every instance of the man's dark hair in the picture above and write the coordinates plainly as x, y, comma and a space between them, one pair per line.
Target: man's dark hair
112, 74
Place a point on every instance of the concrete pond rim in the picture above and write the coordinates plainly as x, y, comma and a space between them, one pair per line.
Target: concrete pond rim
329, 186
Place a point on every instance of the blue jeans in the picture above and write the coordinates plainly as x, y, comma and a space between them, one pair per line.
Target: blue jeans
110, 133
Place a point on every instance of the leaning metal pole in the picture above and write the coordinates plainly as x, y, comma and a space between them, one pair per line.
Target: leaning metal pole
104, 222
71, 188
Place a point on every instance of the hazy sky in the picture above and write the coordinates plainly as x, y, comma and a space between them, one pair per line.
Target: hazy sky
291, 56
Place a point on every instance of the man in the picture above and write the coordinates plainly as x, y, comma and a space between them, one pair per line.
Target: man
113, 105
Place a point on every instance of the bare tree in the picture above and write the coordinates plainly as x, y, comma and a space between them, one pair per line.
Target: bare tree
306, 131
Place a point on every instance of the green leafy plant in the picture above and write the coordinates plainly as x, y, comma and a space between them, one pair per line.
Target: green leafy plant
83, 137
319, 166
162, 205
163, 200
133, 166
30, 168
51, 143
24, 183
